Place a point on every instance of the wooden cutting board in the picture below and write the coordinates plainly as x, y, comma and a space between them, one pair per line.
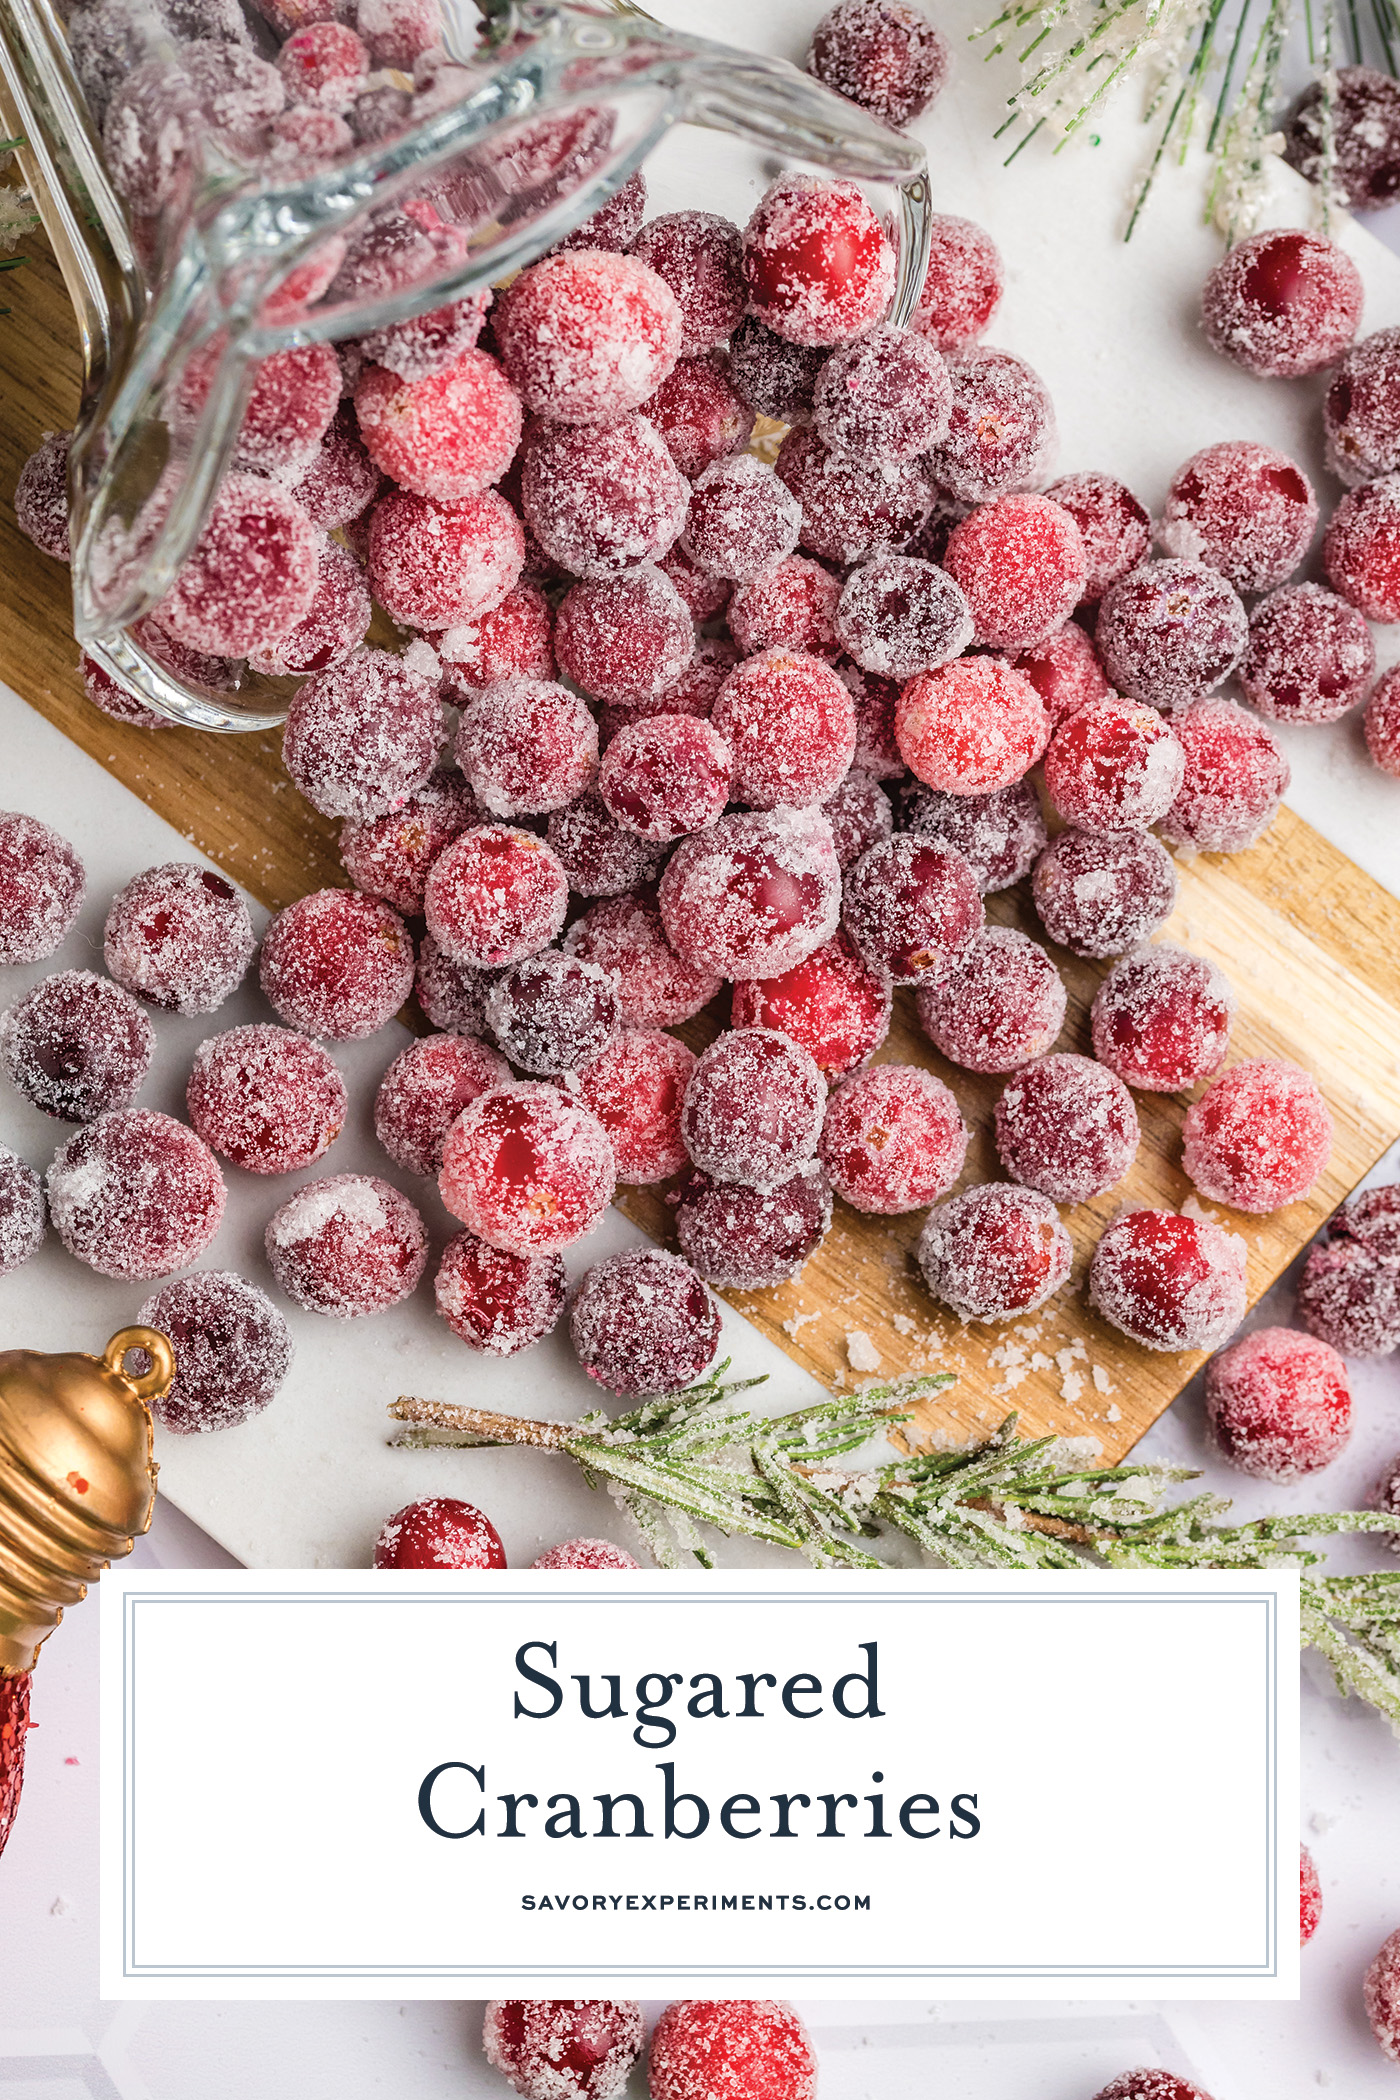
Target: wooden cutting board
1311, 943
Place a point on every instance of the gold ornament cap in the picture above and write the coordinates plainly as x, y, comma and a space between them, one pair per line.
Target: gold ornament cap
77, 1479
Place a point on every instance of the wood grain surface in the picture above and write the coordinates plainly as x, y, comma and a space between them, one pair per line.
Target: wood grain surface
1310, 942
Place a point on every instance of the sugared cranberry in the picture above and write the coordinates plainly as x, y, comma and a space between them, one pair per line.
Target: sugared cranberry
624, 638
877, 752
643, 1322
252, 574
1001, 430
424, 1091
774, 376
432, 564
999, 835
1279, 1403
753, 1108
699, 415
1236, 776
1161, 1019
1065, 671
552, 1012
347, 1246
656, 988
266, 1098
1259, 1137
999, 1004
439, 1533
995, 1252
1113, 765
1102, 893
602, 498
232, 1351
963, 287
494, 896
724, 2048
1359, 414
585, 1553
527, 1169
42, 884
1112, 524
390, 856
586, 334
792, 607
41, 495
702, 596
1361, 552
833, 1005
76, 1046
749, 1239
742, 520
754, 894
179, 937
1310, 656
1021, 564
451, 994
564, 2048
1169, 1281
1170, 632
789, 723
635, 1086
972, 727
495, 1302
1152, 2085
514, 638
1243, 509
1309, 1897
1349, 1296
600, 856
898, 616
911, 906
853, 508
337, 963
893, 1139
1381, 1994
1353, 133
135, 1194
666, 776
363, 736
860, 815
1282, 303
701, 257
882, 54
450, 434
614, 225
428, 342
21, 1211
333, 628
295, 394
340, 480
1066, 1126
527, 745
1382, 723
1372, 1218
885, 396
818, 265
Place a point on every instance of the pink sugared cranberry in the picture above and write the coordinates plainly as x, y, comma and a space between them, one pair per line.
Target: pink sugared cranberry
600, 856
232, 1351
76, 1045
1113, 525
898, 616
616, 223
701, 257
749, 1239
1382, 723
1309, 1897
515, 638
742, 519
818, 264
390, 856
999, 835
42, 884
527, 1169
424, 1091
586, 1553
964, 284
1381, 1994
1359, 413
1169, 1281
1001, 430
1161, 1019
971, 727
882, 54
494, 896
1259, 1137
702, 596
347, 1246
1101, 893
893, 1139
432, 564
602, 498
753, 1108
1113, 765
792, 607
265, 1097
624, 638
325, 64
885, 396
995, 1252
1236, 776
439, 1533
398, 31
1065, 670
294, 397
789, 723
725, 2048
427, 342
564, 2048
363, 736
999, 1004
333, 628
666, 776
1279, 1403
698, 414
1066, 1126
1361, 552
135, 1194
754, 894
643, 1322
1349, 1295
853, 508
1354, 132
450, 434
775, 377
340, 480
41, 495
495, 1302
656, 988
1152, 2085
1310, 656
553, 1012
451, 994
527, 745
1243, 509
635, 1086
337, 963
252, 573
1021, 564
910, 907
833, 1005
1282, 303
586, 334
1170, 631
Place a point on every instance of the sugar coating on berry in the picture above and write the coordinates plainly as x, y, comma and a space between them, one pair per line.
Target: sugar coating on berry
340, 479
251, 575
910, 906
702, 596
337, 963
334, 626
515, 638
146, 133
266, 1098
1373, 1219
1113, 526
604, 498
636, 1087
818, 264
586, 1553
1161, 1018
832, 1005
893, 1139
1309, 1897
586, 334
731, 2049
656, 988
1236, 776
790, 726
135, 1194
1359, 413
1102, 893
1282, 303
999, 1004
42, 884
600, 856
449, 434
498, 1303
564, 2048
1381, 1994
793, 606
424, 1091
1279, 1403
999, 835
1361, 552
434, 564
853, 508
882, 54
362, 736
1350, 1297
232, 1351
742, 520
753, 1107
21, 1211
527, 745
1170, 631
1065, 670
451, 994
643, 1322
748, 1239
1241, 508
860, 815
553, 1012
179, 937
41, 495
1113, 765
972, 726
1259, 1137
1310, 656
666, 776
1021, 565
1355, 134
624, 638
1066, 1126
616, 223
898, 616
1152, 2085
347, 1246
1169, 1281
885, 396
76, 1045
964, 283
527, 1169
698, 414
995, 1252
701, 257
439, 1532
428, 342
390, 856
877, 754
1001, 428
295, 395
1382, 724
325, 63
773, 376
753, 894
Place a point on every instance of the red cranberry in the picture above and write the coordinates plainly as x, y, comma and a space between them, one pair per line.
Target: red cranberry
439, 1533
1349, 1296
1279, 1403
753, 1108
564, 2048
1310, 656
495, 1302
625, 638
818, 264
21, 1211
1382, 724
998, 835
347, 1246
893, 1139
1236, 776
615, 224
1066, 1126
656, 988
552, 1012
41, 495
1113, 765
586, 335
514, 638
1112, 524
1168, 1281
266, 1098
390, 856
252, 574
963, 287
754, 894
76, 1045
789, 723
585, 1553
1361, 552
995, 1252
1065, 671
1161, 1019
1309, 1897
604, 498
1001, 430
432, 564
1243, 509
972, 727
999, 1004
877, 751
427, 342
600, 856
1282, 303
749, 1239
832, 1005
494, 896
1102, 893
898, 616
340, 479
635, 1086
742, 520
337, 963
860, 817
1362, 154
774, 376
1170, 632
643, 1322
1259, 1137
886, 396
721, 2048
701, 257
451, 433
792, 607
699, 414
42, 883
1021, 565
910, 907
452, 995
333, 628
1152, 2085
667, 776
702, 596
363, 736
135, 1194
882, 54
424, 1091
527, 1170
179, 937
232, 1351
527, 745
853, 508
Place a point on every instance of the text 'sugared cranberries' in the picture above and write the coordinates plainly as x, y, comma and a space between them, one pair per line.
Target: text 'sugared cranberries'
1066, 1126
42, 883
1170, 632
21, 1211
885, 396
1259, 1137
340, 479
603, 498
1065, 670
265, 1097
527, 745
1001, 430
699, 415
1161, 1019
1382, 723
999, 1004
1112, 524
963, 287
452, 433
1151, 2085
1236, 776
424, 1091
883, 54
1243, 509
362, 736
749, 1239
1354, 133
893, 1139
41, 495
818, 264
1021, 565
860, 815
1309, 1897
754, 894
1169, 1281
494, 896
1101, 893
636, 1087
347, 1246
135, 1194
335, 625
179, 937
853, 508
527, 1169
1310, 656
753, 1107
701, 257
439, 1532
792, 607
1360, 415
999, 835
1113, 765
252, 574
390, 856
433, 564
514, 637
600, 856
666, 776
789, 723
564, 2048
898, 616
971, 727
742, 520
643, 1322
1282, 303
232, 1350
553, 1012
495, 1302
995, 1252
586, 334
76, 1045
656, 988
731, 2049
1279, 1403
624, 638
833, 1005
910, 906
337, 963
1361, 552
585, 1553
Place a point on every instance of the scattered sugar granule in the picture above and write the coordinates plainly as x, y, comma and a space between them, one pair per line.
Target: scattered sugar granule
1104, 1384
1115, 1413
901, 1323
863, 1354
795, 1325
